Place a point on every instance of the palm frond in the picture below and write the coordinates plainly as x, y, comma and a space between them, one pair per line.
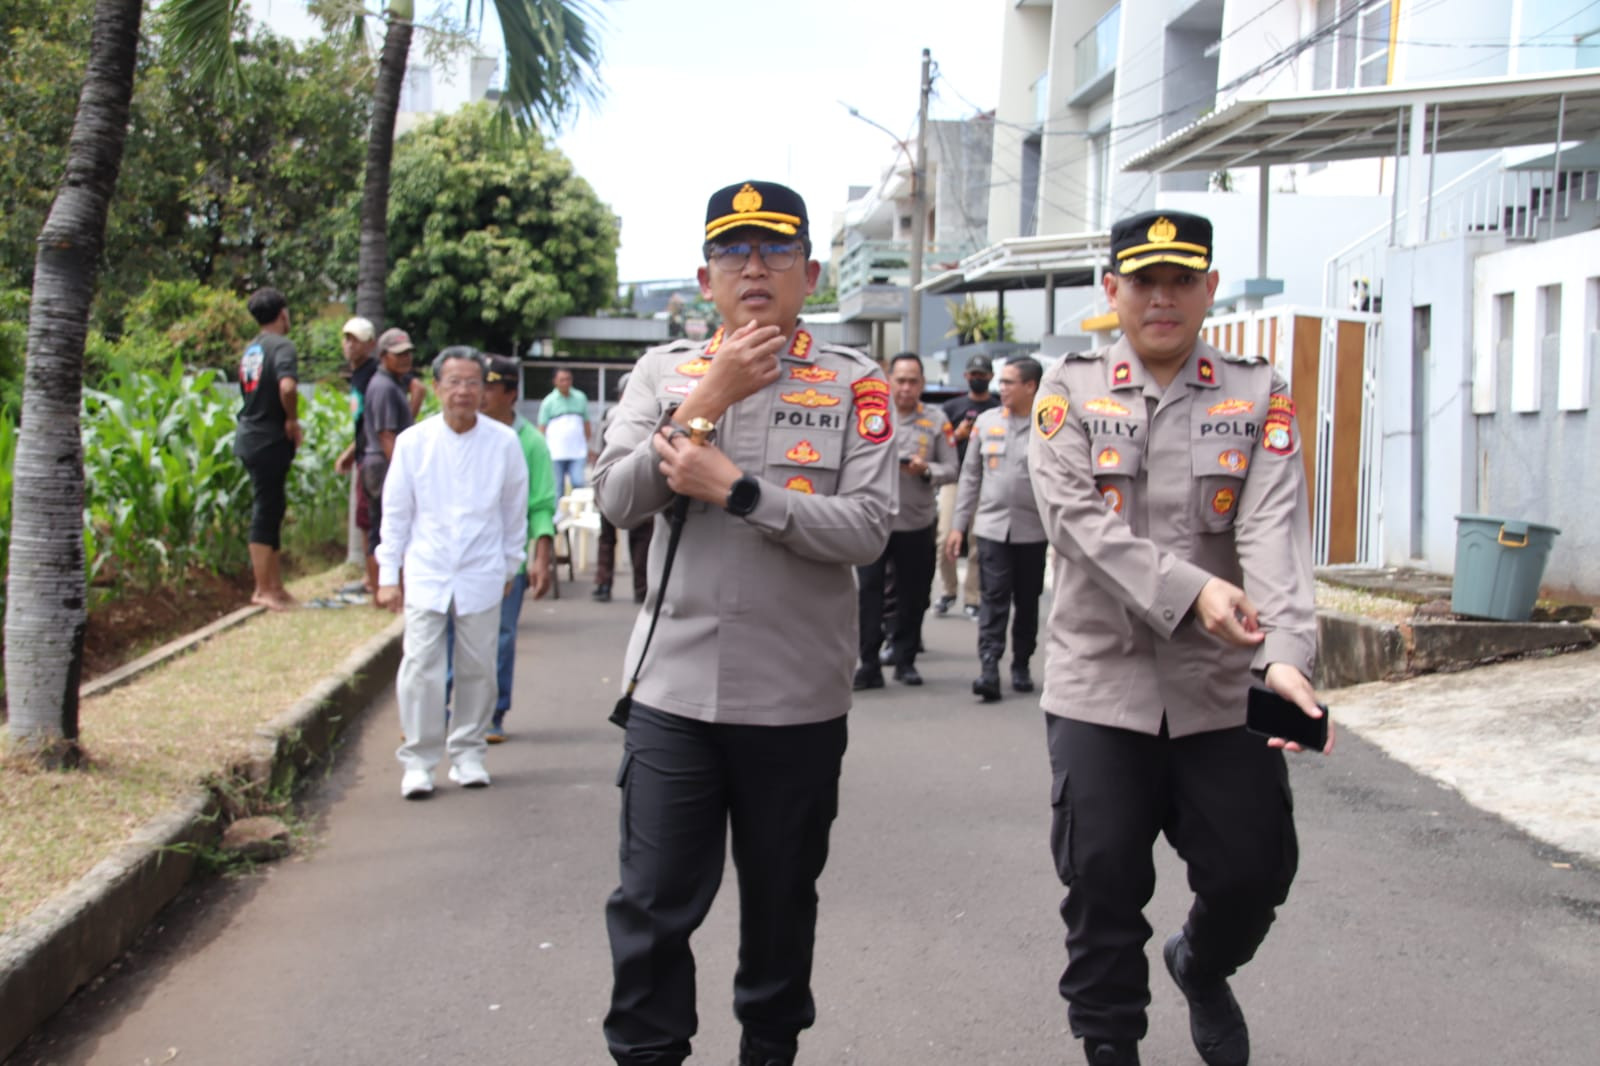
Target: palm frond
200, 35
552, 56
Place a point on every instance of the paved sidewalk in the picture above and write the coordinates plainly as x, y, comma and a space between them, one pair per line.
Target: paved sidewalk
469, 928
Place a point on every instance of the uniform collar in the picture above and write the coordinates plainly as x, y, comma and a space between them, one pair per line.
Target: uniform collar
800, 345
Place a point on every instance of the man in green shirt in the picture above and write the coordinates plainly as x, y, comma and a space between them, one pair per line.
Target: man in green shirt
564, 418
500, 392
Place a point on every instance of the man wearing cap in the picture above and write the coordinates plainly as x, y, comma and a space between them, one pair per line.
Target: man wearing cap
962, 411
1171, 483
927, 457
995, 502
605, 564
267, 437
564, 417
501, 388
779, 446
385, 415
358, 340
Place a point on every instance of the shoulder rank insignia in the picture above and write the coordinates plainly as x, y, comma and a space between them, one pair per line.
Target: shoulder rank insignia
800, 347
1206, 372
1122, 374
716, 342
1050, 414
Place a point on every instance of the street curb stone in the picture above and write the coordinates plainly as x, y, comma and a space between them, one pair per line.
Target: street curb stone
73, 936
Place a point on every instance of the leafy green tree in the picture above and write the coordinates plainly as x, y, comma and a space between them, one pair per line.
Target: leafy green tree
229, 190
493, 237
552, 59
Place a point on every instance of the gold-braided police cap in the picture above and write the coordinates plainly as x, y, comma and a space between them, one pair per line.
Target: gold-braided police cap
764, 204
1161, 237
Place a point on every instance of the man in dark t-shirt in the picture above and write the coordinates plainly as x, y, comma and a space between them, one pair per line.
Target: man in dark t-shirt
267, 436
962, 411
386, 415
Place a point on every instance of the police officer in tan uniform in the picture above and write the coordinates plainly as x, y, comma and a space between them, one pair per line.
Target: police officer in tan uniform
738, 719
1170, 479
995, 500
927, 451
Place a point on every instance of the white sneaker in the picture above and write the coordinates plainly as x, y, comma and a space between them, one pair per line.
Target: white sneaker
469, 775
416, 784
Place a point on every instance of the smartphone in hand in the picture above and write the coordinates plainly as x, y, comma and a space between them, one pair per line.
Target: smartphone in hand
1270, 715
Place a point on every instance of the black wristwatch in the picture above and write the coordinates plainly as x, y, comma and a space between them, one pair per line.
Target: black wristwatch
743, 497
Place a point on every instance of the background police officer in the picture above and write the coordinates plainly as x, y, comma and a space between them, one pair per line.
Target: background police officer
1169, 475
927, 454
995, 500
739, 713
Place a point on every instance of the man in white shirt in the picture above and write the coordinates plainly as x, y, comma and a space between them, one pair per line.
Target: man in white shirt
455, 518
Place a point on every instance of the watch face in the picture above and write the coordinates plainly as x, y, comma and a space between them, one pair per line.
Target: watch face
744, 496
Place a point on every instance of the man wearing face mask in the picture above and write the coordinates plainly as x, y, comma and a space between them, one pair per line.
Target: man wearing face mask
962, 412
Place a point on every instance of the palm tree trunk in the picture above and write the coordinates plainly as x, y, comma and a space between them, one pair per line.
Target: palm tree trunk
373, 268
46, 613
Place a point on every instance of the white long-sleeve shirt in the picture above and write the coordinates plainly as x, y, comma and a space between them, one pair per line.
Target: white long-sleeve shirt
455, 514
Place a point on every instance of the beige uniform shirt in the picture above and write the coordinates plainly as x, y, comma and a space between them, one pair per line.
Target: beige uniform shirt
1147, 494
759, 622
995, 499
924, 432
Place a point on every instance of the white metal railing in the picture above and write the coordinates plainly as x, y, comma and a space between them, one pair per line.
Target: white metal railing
1268, 335
1488, 199
889, 263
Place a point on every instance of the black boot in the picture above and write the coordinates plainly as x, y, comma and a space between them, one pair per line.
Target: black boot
988, 683
867, 676
602, 593
1111, 1052
1216, 1024
1021, 679
754, 1051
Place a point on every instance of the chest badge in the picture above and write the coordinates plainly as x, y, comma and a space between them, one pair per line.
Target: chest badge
1105, 405
800, 484
694, 368
803, 453
1231, 407
813, 375
810, 398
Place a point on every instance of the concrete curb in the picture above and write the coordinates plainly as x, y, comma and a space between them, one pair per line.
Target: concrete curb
1353, 650
128, 671
76, 934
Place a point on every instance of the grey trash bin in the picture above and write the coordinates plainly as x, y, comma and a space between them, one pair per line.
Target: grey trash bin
1499, 564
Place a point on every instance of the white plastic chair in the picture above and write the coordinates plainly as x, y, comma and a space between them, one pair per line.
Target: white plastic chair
576, 512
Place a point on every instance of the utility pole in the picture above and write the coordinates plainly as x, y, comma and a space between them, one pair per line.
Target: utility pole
919, 217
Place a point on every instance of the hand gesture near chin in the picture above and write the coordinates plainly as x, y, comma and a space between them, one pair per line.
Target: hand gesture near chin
746, 363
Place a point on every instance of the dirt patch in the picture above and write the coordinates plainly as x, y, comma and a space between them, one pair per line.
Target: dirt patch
123, 629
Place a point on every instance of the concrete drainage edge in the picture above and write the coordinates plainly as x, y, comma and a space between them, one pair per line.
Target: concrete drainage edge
73, 936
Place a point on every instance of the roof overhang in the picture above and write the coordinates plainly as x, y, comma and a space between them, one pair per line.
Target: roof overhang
1363, 123
1066, 261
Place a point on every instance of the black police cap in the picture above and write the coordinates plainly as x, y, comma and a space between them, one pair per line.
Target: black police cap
1153, 237
764, 204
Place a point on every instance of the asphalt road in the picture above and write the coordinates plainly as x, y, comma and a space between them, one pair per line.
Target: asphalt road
468, 928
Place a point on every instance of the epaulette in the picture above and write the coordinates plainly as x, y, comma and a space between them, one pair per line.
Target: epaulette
1231, 357
1092, 353
681, 344
851, 354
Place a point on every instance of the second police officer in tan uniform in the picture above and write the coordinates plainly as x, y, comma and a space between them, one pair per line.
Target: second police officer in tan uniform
927, 451
1170, 479
995, 501
739, 713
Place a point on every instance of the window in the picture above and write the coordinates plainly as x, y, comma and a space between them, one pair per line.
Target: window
1352, 44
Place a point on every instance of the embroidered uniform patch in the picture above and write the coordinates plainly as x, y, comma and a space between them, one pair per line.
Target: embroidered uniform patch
1207, 372
872, 410
1222, 502
813, 375
1108, 457
1233, 460
1113, 497
1105, 405
1122, 374
800, 484
1050, 414
695, 367
803, 453
1277, 435
1231, 407
810, 398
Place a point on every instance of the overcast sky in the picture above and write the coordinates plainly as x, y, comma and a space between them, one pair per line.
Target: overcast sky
703, 93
